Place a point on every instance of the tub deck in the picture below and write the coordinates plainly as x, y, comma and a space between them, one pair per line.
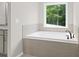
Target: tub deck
51, 36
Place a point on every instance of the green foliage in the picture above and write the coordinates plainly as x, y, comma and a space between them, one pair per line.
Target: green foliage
55, 14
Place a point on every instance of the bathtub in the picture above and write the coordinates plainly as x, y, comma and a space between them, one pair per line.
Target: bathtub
51, 36
50, 44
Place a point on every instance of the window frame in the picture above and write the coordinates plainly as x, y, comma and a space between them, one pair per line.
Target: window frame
55, 26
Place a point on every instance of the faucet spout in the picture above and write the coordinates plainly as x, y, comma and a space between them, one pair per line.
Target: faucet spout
69, 33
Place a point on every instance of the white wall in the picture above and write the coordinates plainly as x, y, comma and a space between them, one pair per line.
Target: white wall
26, 12
22, 13
76, 18
29, 16
15, 30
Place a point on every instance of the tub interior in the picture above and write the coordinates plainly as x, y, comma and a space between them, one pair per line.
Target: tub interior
51, 36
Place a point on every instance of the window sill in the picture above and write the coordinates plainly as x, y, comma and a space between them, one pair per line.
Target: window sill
54, 26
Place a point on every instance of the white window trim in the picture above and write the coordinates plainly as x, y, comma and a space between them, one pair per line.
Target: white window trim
55, 26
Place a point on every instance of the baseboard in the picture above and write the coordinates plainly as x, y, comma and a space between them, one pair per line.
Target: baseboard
19, 55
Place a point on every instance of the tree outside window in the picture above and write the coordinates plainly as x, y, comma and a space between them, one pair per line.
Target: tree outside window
56, 14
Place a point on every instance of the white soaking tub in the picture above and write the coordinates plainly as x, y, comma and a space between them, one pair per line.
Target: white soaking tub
50, 44
52, 36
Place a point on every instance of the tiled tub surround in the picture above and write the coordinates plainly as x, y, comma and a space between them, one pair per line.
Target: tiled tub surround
27, 29
42, 48
42, 28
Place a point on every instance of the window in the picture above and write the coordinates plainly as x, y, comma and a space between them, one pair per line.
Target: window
55, 15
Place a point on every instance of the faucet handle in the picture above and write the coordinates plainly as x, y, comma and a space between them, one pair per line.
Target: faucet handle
73, 35
67, 36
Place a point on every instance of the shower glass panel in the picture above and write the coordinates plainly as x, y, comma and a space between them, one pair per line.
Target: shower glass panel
3, 29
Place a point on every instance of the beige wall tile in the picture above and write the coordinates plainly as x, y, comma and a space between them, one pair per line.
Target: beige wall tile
49, 49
